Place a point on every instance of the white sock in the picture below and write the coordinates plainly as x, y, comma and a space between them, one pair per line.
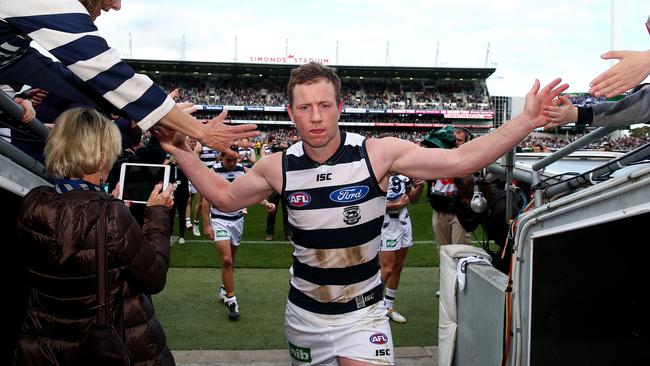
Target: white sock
389, 299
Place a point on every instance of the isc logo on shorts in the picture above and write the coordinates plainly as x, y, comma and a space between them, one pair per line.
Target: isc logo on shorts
378, 338
299, 353
299, 199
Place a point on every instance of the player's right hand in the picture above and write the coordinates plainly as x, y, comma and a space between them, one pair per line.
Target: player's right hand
209, 233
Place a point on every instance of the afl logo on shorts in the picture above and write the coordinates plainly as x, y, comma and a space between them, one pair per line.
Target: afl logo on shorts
378, 338
299, 199
349, 194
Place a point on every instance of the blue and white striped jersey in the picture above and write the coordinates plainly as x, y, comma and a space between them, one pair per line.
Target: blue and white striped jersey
229, 175
336, 210
64, 28
398, 185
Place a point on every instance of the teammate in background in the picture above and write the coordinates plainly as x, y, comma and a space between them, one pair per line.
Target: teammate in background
226, 230
396, 236
246, 154
209, 157
334, 184
190, 211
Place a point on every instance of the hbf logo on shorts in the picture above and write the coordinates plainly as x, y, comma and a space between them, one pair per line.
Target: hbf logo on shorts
299, 199
349, 194
378, 338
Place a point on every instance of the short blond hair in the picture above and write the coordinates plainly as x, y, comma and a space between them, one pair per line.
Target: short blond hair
81, 142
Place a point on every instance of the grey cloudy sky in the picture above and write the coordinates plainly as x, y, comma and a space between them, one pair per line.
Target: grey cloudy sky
528, 39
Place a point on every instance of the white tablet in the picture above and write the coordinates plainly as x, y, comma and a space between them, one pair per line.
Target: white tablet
137, 180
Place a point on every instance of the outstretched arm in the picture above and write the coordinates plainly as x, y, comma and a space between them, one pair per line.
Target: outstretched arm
214, 134
399, 156
632, 68
244, 191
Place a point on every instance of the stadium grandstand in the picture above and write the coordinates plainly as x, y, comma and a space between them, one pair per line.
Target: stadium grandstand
407, 101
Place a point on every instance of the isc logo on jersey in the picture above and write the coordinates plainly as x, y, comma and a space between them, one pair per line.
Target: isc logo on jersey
349, 194
378, 338
299, 199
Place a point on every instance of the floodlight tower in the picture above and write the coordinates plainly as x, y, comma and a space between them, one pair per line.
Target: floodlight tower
130, 46
615, 31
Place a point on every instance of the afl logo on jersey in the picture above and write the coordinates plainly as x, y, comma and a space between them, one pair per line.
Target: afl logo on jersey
378, 338
299, 199
349, 194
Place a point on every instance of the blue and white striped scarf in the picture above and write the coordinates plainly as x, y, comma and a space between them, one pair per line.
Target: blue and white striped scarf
67, 185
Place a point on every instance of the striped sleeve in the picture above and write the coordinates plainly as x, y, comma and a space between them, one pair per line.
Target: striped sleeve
64, 28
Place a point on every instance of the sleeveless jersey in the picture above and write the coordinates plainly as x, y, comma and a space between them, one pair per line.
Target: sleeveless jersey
230, 175
209, 157
245, 154
398, 185
335, 213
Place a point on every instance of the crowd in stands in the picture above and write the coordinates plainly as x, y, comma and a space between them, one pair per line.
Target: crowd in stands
549, 144
585, 100
532, 142
411, 94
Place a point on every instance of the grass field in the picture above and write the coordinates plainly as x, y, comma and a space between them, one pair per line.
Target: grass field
193, 318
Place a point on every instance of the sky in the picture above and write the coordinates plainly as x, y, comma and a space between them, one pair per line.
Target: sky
527, 39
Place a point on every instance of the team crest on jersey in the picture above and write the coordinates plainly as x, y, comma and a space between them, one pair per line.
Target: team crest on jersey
299, 199
378, 338
349, 194
351, 215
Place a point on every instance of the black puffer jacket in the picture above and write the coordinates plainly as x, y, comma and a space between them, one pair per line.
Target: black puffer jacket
58, 237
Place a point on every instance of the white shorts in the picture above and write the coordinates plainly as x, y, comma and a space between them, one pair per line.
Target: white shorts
319, 339
396, 233
231, 230
191, 187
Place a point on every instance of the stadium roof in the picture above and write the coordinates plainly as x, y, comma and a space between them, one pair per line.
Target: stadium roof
283, 70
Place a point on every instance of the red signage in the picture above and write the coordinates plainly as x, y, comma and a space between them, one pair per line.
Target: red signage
290, 59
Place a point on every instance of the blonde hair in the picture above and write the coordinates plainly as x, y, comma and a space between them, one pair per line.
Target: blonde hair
81, 143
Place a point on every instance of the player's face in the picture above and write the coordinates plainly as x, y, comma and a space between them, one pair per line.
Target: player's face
315, 111
229, 163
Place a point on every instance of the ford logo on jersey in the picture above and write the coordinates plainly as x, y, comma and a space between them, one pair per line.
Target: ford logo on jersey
299, 199
378, 338
349, 194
